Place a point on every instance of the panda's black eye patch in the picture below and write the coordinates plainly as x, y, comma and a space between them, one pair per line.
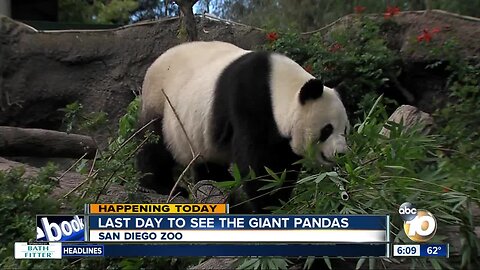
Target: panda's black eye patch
326, 132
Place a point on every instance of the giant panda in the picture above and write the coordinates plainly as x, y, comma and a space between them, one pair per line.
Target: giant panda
252, 108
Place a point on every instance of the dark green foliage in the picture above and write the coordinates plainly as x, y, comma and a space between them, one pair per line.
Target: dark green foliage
458, 123
115, 11
115, 164
264, 263
98, 11
21, 199
154, 9
306, 15
439, 172
76, 119
298, 15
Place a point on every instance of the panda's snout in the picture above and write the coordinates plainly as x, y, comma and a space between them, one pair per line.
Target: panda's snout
329, 152
342, 151
324, 157
329, 162
324, 160
341, 147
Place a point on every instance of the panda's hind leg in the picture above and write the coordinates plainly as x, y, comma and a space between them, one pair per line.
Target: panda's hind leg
155, 163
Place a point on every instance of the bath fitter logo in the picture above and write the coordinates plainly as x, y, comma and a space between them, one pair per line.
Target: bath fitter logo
43, 251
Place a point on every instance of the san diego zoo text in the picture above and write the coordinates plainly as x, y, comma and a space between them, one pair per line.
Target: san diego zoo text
139, 236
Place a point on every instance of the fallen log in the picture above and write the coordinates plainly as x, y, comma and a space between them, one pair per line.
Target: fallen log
16, 141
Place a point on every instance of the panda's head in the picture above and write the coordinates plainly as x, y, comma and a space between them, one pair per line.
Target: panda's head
318, 120
306, 111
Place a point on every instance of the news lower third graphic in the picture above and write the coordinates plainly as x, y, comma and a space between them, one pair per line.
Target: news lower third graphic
178, 230
61, 228
419, 225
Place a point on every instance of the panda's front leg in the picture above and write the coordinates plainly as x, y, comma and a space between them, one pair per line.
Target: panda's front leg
155, 164
246, 162
251, 153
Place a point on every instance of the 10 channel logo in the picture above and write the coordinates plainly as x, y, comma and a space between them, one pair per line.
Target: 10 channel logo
419, 225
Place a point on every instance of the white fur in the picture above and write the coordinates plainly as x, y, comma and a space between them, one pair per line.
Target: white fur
188, 74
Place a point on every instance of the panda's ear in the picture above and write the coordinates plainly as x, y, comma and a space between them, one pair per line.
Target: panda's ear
311, 90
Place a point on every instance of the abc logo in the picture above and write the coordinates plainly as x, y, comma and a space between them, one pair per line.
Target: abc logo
419, 225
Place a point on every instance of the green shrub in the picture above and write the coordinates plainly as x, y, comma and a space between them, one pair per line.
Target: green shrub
22, 197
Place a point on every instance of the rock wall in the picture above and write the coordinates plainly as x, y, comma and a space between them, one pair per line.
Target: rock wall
42, 71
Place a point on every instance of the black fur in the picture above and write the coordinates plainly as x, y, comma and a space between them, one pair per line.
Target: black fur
326, 132
244, 126
156, 164
312, 90
153, 160
211, 171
